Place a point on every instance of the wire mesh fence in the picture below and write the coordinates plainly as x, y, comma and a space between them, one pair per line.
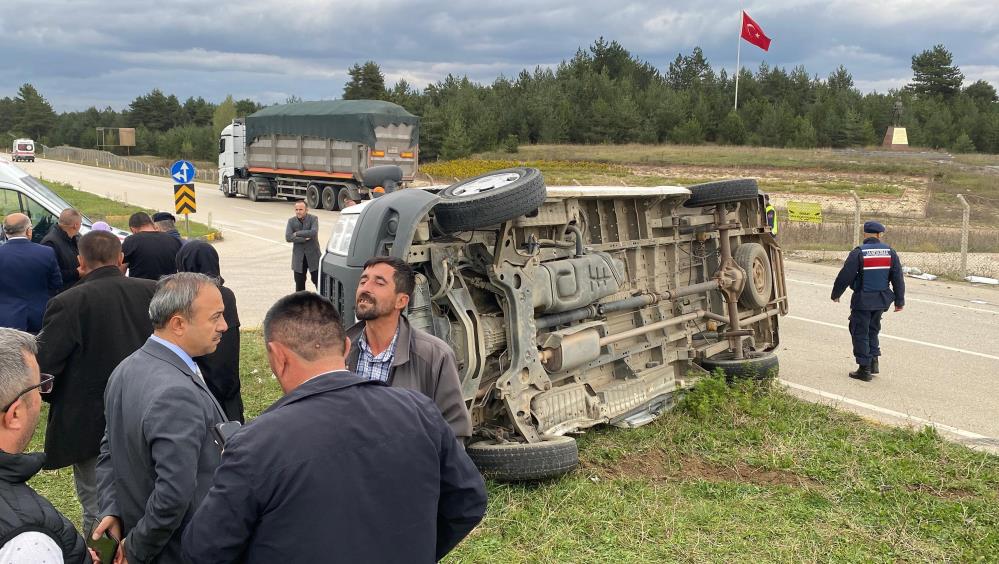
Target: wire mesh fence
105, 159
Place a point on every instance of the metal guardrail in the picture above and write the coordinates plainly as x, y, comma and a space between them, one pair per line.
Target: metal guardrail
105, 159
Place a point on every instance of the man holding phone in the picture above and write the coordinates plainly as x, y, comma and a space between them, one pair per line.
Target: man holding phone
159, 451
341, 469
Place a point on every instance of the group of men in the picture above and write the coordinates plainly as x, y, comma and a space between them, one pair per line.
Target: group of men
369, 432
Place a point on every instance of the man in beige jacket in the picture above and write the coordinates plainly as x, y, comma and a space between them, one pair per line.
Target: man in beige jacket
385, 346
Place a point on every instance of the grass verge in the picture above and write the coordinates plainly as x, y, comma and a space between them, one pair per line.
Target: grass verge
734, 474
99, 208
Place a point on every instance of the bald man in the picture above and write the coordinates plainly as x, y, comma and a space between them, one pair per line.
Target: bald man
29, 276
64, 240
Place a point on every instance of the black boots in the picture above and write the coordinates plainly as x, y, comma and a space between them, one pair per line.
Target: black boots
874, 366
862, 373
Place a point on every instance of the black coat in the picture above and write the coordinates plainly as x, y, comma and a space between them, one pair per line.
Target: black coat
221, 368
341, 469
87, 331
66, 251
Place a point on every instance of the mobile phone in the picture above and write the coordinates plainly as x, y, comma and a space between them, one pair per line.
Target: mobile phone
224, 431
106, 547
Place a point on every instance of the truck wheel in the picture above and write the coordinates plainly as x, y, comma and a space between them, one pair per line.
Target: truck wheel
753, 258
329, 198
517, 462
312, 197
342, 195
756, 366
723, 191
252, 190
227, 188
490, 199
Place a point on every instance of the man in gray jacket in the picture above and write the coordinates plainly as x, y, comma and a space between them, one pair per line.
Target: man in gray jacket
389, 349
159, 452
303, 232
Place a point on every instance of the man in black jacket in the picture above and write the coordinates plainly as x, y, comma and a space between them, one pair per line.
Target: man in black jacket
31, 530
341, 469
64, 241
86, 332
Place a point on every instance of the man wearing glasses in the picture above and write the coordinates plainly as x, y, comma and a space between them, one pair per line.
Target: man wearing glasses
36, 531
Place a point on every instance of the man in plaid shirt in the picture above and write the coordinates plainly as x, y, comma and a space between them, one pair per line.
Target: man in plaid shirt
390, 350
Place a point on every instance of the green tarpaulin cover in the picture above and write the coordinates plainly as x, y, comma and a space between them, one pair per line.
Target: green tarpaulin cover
345, 120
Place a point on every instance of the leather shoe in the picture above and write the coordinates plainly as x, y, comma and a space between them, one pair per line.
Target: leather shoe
862, 373
874, 366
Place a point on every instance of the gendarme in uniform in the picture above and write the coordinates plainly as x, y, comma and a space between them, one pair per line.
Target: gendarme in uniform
868, 271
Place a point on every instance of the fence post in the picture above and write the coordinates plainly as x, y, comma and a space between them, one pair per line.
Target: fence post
965, 225
856, 218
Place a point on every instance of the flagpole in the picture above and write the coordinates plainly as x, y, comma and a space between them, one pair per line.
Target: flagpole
738, 61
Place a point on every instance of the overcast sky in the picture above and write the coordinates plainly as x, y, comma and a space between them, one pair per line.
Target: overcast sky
80, 53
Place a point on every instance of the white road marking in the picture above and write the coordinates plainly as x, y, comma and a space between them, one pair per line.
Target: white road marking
251, 210
885, 411
903, 339
265, 224
958, 306
245, 234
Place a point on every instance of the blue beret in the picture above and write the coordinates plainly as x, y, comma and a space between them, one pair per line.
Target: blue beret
873, 227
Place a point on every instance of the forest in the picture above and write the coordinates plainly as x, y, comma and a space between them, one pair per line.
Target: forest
602, 95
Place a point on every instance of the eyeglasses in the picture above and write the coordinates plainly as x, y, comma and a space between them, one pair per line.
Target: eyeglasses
44, 386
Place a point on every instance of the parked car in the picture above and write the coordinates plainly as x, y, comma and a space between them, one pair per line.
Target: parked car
574, 306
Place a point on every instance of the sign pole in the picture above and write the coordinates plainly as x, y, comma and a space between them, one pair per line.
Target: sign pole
187, 222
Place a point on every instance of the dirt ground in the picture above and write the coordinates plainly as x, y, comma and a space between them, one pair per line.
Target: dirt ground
939, 264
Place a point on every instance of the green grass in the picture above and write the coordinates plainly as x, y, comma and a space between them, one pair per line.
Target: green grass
735, 474
99, 208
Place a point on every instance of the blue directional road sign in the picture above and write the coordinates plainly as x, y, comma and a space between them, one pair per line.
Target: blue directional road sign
182, 172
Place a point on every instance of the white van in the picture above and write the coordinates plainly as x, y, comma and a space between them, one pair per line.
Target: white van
21, 192
23, 150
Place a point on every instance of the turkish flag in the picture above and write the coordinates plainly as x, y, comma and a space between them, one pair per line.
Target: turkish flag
753, 33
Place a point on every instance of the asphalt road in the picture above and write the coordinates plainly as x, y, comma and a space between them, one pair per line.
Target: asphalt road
940, 355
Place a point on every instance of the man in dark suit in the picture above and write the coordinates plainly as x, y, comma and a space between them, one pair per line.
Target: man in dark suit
341, 469
64, 240
88, 330
29, 276
302, 231
159, 452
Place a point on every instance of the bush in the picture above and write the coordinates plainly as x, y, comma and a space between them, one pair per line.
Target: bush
689, 132
511, 144
963, 144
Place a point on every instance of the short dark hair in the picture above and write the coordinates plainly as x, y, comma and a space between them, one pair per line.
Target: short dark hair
306, 323
139, 219
405, 276
100, 248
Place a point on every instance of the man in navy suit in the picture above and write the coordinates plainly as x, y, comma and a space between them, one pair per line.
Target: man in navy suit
29, 276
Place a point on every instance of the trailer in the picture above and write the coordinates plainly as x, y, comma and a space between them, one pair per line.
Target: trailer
325, 153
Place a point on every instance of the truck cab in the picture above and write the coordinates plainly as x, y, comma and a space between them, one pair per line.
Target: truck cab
23, 150
232, 152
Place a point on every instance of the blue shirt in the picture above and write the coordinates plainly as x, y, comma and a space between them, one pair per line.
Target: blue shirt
374, 367
179, 352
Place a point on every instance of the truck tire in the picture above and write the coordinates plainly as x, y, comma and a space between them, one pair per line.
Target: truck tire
329, 198
721, 192
342, 195
490, 199
252, 190
756, 366
753, 258
518, 462
227, 188
313, 198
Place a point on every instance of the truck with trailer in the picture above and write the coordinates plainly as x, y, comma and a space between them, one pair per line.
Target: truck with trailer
573, 306
325, 153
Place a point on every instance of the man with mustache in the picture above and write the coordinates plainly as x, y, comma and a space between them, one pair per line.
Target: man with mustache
159, 453
390, 350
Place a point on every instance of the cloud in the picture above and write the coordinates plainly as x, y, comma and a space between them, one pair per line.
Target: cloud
107, 52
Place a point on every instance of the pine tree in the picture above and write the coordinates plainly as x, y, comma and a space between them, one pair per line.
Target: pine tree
35, 116
366, 83
935, 73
